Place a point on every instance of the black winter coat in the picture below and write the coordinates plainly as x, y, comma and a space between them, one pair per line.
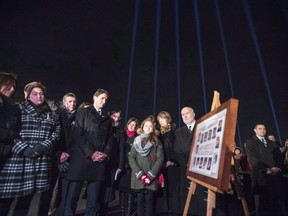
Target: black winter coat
9, 126
67, 122
260, 158
92, 133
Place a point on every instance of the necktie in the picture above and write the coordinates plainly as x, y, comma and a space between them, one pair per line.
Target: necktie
99, 111
264, 142
190, 129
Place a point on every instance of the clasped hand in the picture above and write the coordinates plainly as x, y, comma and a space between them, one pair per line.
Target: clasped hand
98, 156
145, 179
273, 171
34, 152
64, 156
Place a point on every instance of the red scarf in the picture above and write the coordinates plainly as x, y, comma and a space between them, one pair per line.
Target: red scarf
130, 133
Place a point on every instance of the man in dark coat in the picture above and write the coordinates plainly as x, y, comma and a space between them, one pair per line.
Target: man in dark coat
93, 139
67, 114
266, 165
182, 145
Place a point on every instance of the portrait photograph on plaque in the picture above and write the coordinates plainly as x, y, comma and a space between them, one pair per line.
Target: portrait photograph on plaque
212, 145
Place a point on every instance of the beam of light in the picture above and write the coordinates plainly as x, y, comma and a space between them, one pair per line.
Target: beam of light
227, 63
261, 62
156, 53
136, 12
200, 50
178, 59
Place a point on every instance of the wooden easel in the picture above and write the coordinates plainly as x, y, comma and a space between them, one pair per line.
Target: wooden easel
211, 199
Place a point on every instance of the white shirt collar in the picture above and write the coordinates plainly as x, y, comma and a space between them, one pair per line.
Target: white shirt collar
192, 125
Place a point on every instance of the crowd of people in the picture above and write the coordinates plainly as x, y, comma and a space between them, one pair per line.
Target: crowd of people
54, 151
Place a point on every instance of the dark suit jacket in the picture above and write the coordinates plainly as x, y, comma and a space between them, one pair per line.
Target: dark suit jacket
182, 144
260, 158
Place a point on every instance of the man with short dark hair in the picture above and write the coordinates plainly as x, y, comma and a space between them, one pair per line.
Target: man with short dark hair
266, 164
93, 140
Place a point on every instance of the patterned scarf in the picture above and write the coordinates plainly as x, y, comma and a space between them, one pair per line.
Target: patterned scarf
142, 144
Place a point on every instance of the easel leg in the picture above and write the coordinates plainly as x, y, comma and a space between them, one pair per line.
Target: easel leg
190, 193
211, 200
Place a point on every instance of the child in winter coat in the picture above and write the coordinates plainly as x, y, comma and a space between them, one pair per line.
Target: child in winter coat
146, 159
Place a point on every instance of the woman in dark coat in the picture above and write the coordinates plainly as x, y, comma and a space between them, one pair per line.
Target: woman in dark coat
29, 169
126, 194
9, 116
115, 163
167, 196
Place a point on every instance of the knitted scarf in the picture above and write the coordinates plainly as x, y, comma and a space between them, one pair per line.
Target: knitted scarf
142, 145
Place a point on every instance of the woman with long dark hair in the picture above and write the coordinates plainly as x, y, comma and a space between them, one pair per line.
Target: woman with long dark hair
126, 194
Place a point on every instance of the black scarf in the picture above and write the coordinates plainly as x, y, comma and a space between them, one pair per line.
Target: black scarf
40, 109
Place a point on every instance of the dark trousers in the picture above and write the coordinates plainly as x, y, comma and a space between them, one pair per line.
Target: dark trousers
92, 203
21, 208
145, 203
46, 196
63, 185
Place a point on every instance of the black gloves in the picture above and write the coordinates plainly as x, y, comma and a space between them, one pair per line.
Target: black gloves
28, 152
63, 167
32, 152
40, 149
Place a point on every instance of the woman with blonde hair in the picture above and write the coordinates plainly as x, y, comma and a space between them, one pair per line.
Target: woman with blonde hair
167, 199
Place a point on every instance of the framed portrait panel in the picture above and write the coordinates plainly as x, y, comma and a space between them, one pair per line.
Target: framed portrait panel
212, 145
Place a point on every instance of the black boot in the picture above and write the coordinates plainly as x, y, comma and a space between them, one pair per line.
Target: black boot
122, 199
130, 202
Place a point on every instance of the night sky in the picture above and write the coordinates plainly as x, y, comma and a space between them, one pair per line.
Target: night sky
179, 51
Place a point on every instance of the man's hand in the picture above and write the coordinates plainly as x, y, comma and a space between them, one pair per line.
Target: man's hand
98, 156
169, 163
64, 156
275, 170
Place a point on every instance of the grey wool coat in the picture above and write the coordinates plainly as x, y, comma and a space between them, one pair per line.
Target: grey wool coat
153, 163
20, 175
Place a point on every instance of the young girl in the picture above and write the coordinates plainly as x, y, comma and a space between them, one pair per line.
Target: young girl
146, 159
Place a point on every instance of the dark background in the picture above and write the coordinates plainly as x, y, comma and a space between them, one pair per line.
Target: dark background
80, 46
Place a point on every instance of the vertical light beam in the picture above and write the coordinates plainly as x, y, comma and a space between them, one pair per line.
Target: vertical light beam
261, 62
227, 63
136, 12
158, 12
200, 51
178, 58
